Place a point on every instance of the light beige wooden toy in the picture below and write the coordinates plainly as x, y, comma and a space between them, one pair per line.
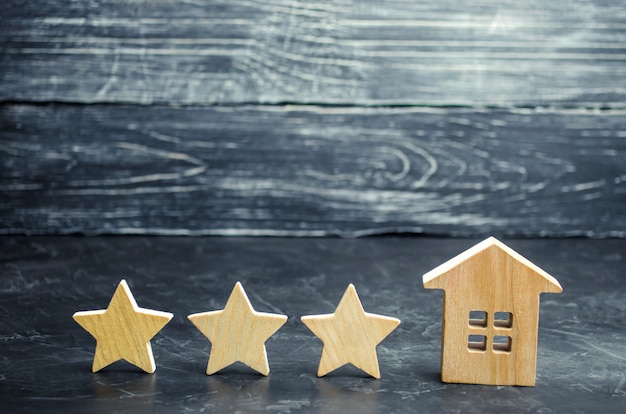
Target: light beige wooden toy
123, 330
238, 333
490, 315
350, 335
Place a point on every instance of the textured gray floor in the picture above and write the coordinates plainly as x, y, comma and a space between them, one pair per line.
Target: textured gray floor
46, 356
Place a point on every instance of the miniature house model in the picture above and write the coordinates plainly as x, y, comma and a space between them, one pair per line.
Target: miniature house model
490, 315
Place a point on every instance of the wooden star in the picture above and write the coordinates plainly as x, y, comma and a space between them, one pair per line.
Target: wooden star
238, 333
350, 335
123, 330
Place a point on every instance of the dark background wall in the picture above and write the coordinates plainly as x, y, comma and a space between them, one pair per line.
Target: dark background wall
270, 117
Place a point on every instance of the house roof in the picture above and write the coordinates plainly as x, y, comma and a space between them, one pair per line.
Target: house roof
432, 279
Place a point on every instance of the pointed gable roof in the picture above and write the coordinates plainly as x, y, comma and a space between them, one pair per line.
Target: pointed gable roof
438, 277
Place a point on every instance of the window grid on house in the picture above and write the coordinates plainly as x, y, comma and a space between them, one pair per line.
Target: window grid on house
503, 319
478, 319
502, 343
484, 329
477, 342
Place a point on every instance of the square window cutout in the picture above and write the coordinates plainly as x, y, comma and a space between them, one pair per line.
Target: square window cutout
502, 343
477, 342
503, 319
478, 319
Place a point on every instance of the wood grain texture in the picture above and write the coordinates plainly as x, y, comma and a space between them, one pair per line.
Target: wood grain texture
499, 347
350, 335
444, 52
123, 331
238, 333
311, 171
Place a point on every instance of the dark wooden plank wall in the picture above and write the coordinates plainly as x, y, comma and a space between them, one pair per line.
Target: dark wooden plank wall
312, 118
443, 52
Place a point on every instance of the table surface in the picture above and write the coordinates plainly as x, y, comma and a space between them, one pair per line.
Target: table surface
46, 356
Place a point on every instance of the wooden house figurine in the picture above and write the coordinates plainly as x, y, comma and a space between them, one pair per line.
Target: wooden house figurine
490, 315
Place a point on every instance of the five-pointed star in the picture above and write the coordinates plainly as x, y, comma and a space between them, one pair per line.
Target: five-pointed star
123, 330
238, 333
350, 335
